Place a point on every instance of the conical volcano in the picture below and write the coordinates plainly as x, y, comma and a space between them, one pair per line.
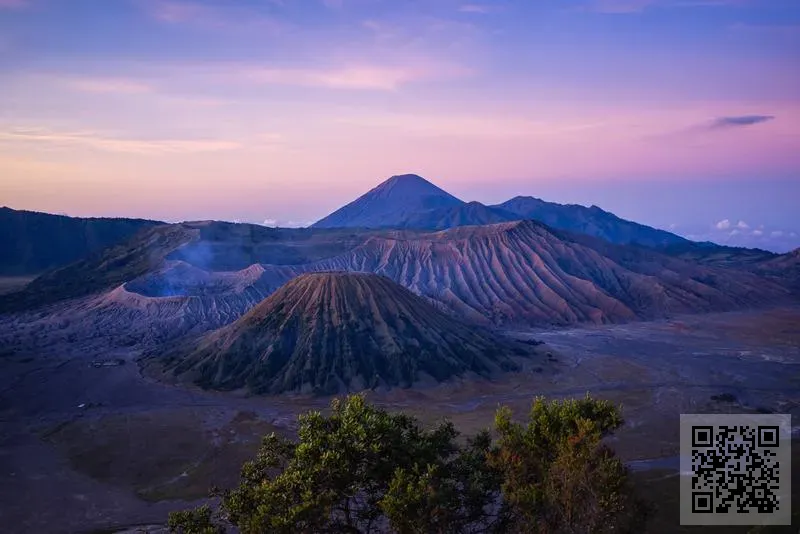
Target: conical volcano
325, 333
391, 204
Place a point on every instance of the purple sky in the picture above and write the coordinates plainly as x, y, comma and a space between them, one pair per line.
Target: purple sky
683, 114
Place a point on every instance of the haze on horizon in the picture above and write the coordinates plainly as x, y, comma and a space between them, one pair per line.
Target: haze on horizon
682, 114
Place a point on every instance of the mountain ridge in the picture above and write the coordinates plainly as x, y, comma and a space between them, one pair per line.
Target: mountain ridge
34, 242
390, 205
592, 220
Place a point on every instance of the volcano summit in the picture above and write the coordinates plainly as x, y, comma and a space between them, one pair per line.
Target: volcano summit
330, 332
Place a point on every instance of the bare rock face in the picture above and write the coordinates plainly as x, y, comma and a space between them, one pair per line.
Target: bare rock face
526, 273
330, 332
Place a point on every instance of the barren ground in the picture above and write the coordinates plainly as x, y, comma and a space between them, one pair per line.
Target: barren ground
97, 449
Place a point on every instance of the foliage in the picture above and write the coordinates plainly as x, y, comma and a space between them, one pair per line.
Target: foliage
558, 475
197, 521
362, 469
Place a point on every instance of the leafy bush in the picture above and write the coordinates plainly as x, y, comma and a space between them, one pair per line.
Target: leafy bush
362, 469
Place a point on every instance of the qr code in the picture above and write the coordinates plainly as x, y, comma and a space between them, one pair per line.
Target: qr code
735, 469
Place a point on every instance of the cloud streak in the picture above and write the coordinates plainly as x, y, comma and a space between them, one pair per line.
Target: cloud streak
109, 86
212, 17
618, 6
739, 121
638, 6
480, 9
96, 141
362, 77
729, 122
13, 4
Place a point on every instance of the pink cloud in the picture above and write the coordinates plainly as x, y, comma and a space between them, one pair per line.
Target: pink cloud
637, 6
109, 85
786, 30
481, 9
179, 11
13, 4
106, 143
232, 17
356, 76
619, 6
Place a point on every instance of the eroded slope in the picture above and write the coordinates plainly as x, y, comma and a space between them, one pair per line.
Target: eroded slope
330, 332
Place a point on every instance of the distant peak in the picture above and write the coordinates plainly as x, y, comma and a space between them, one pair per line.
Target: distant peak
390, 203
410, 183
410, 176
406, 179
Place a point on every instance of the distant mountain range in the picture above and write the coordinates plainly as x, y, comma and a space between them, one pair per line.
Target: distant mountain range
203, 275
487, 265
410, 292
33, 243
591, 221
410, 201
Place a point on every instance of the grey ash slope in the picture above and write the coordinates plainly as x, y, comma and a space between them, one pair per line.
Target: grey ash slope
522, 273
390, 204
330, 332
592, 221
194, 277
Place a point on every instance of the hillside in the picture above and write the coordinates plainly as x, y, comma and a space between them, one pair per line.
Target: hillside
34, 242
784, 268
102, 270
192, 277
591, 221
206, 245
527, 273
467, 214
331, 332
390, 204
708, 253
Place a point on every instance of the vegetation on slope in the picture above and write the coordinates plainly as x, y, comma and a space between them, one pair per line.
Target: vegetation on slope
35, 242
364, 470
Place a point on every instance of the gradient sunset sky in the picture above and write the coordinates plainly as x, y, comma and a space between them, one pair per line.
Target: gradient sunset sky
682, 114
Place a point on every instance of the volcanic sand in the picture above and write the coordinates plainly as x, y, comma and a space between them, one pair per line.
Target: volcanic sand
86, 449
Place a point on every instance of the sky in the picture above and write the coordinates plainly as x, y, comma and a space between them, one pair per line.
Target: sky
681, 114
